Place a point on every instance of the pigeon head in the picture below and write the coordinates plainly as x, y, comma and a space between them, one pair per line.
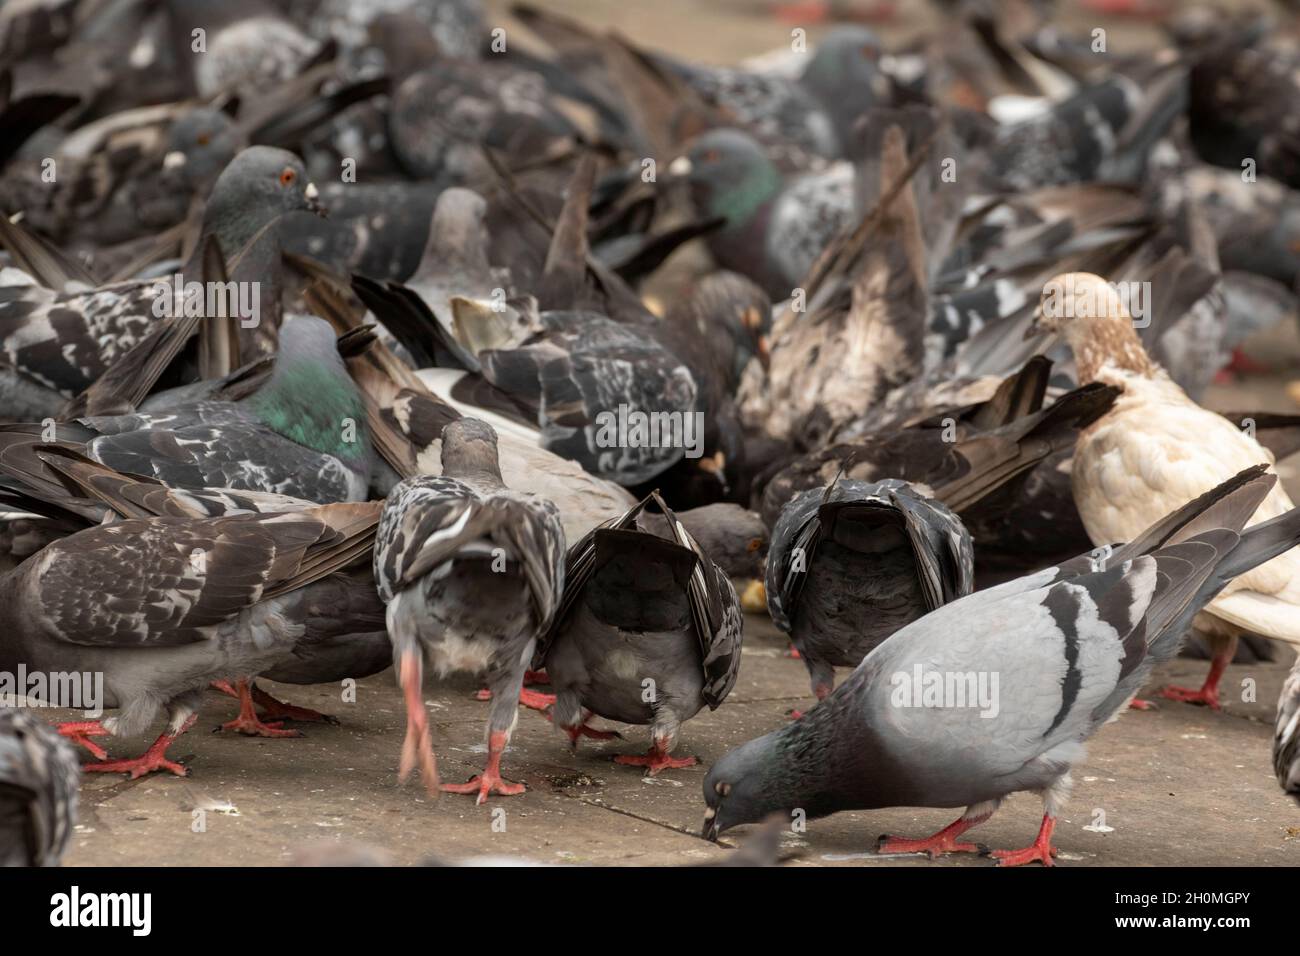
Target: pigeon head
729, 175
1092, 316
469, 449
310, 398
734, 538
199, 145
843, 72
737, 788
258, 186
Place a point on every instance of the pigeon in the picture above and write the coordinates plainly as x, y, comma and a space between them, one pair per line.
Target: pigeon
649, 631
38, 791
730, 317
194, 600
734, 538
222, 45
775, 226
914, 726
63, 340
1286, 736
1154, 450
472, 573
304, 433
854, 562
814, 112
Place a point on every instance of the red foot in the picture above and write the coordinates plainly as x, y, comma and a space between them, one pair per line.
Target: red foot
153, 759
655, 760
1144, 9
79, 732
253, 726
583, 730
1137, 703
490, 780
795, 714
945, 841
1042, 850
277, 709
533, 700
793, 652
418, 745
1206, 696
248, 723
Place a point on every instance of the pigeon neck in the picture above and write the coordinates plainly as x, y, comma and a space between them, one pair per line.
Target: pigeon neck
470, 465
315, 404
740, 202
1106, 345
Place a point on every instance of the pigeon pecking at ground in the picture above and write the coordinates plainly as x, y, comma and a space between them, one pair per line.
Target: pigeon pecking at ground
471, 573
921, 723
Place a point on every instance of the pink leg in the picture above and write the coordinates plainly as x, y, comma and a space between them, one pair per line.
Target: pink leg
248, 723
418, 745
656, 759
1208, 694
79, 732
945, 841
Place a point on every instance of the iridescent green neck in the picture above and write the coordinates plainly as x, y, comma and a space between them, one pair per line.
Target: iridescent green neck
741, 201
316, 406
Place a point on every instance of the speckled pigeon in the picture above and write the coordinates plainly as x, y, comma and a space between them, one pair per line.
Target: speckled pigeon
63, 340
304, 433
471, 573
645, 611
854, 562
921, 722
38, 791
775, 226
162, 607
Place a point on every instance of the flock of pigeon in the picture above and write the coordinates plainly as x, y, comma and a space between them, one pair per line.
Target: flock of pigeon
474, 418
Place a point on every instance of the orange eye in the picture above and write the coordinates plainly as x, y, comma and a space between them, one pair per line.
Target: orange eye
287, 177
711, 156
203, 139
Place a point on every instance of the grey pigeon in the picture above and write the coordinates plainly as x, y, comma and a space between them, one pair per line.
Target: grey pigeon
649, 631
855, 562
814, 111
38, 791
304, 433
193, 600
63, 340
920, 722
775, 226
471, 573
734, 538
1286, 738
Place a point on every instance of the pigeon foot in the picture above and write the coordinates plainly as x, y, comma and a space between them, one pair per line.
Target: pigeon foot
277, 709
152, 760
1137, 703
1041, 851
490, 780
945, 841
80, 732
655, 760
248, 723
1207, 696
532, 699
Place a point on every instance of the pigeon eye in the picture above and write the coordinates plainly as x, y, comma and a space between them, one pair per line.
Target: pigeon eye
711, 156
754, 544
722, 787
202, 139
287, 177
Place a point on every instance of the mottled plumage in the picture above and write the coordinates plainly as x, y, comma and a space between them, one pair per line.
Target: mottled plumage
38, 791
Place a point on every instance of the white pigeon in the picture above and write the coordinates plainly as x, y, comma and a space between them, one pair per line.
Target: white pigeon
1154, 451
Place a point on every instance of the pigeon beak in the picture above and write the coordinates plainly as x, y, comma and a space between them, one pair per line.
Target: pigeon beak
174, 160
680, 167
312, 195
1035, 329
710, 829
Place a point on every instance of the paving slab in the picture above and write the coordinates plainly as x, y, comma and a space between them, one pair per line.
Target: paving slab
1178, 786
